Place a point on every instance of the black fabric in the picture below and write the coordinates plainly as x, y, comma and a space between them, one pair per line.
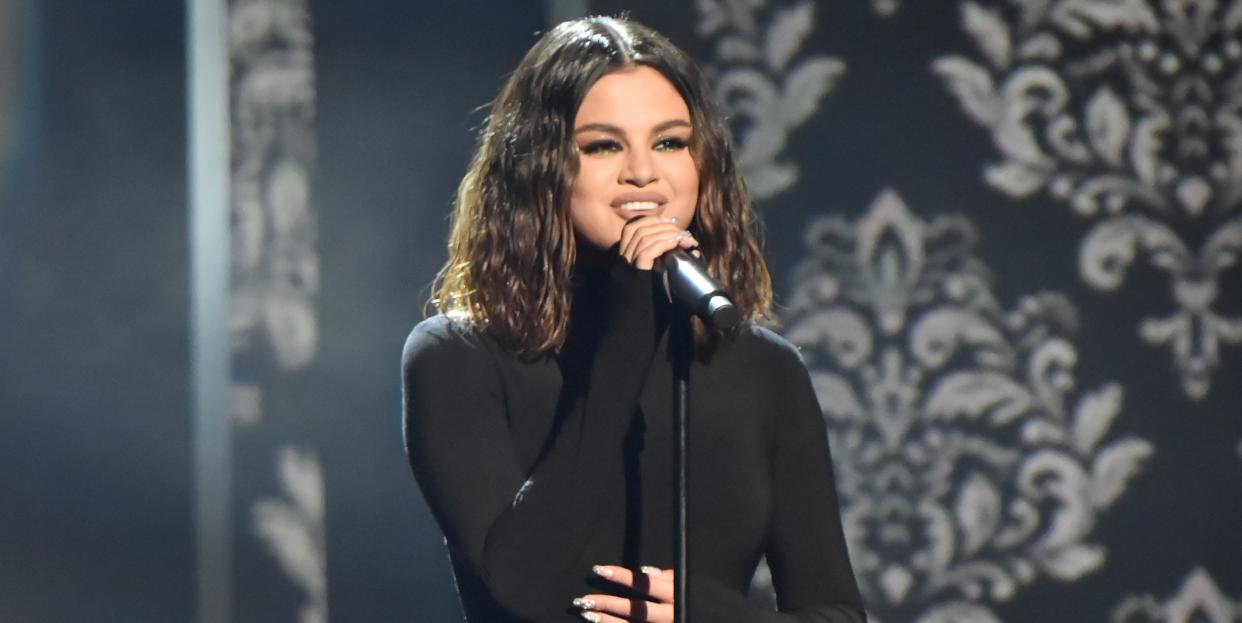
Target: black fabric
537, 468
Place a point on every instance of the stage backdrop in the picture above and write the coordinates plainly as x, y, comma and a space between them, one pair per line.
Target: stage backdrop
1006, 234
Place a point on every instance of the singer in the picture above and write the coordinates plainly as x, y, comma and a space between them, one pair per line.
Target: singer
537, 403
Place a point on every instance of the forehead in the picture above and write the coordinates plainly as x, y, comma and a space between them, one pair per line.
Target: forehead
634, 97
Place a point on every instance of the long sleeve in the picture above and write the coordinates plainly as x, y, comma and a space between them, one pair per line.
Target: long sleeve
520, 533
805, 548
806, 551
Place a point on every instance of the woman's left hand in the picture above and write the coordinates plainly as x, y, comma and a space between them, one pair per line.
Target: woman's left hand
657, 584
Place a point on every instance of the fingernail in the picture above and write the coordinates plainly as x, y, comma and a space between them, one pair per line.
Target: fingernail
649, 570
602, 571
685, 233
584, 603
670, 219
590, 616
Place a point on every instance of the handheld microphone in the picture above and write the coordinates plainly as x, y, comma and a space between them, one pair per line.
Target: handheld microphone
689, 283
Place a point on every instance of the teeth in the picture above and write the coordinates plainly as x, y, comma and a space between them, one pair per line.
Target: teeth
639, 206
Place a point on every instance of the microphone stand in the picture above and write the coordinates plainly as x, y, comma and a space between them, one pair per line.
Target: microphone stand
681, 347
687, 280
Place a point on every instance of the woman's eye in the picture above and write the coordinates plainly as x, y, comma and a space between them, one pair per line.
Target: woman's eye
671, 143
600, 147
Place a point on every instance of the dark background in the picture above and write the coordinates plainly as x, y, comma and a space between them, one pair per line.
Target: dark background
95, 443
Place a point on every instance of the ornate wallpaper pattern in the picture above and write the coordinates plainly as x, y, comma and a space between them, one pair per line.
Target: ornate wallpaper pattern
1128, 113
275, 278
764, 90
292, 530
992, 460
276, 270
1198, 599
969, 462
973, 461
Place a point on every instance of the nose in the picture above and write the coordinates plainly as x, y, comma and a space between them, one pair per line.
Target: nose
639, 168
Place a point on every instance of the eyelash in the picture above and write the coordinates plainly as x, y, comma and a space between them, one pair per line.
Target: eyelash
595, 147
671, 143
668, 143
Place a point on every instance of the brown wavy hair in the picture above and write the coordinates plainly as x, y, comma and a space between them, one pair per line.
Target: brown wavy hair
511, 246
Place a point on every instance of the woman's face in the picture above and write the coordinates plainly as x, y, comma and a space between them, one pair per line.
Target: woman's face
633, 134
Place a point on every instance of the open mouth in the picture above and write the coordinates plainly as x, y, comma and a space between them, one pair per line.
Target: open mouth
636, 207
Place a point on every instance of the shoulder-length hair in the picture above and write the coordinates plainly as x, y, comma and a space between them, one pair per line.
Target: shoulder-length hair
511, 246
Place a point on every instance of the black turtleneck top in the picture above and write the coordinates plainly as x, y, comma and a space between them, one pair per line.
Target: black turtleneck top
538, 467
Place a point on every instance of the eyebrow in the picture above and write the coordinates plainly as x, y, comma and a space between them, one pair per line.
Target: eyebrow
612, 129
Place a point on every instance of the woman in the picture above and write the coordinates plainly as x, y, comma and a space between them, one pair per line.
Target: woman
538, 403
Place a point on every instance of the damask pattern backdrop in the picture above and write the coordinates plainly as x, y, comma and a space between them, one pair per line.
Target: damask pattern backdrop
1029, 374
1006, 239
1004, 233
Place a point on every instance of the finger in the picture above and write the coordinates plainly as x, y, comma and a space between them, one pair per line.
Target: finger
661, 584
600, 617
635, 232
637, 228
660, 243
654, 246
641, 235
624, 609
611, 604
633, 239
634, 225
658, 586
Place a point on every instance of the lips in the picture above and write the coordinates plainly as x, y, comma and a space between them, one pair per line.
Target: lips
634, 207
635, 203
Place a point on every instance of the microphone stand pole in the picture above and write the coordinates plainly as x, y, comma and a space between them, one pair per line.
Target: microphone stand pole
681, 345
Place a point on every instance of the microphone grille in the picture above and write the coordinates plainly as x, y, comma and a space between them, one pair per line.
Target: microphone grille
723, 312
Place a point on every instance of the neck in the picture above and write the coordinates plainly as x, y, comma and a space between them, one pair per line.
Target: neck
591, 257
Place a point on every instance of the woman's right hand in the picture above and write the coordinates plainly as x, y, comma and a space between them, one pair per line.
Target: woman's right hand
645, 238
656, 584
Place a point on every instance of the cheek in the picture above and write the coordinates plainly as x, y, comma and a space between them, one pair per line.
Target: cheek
687, 182
586, 184
592, 218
